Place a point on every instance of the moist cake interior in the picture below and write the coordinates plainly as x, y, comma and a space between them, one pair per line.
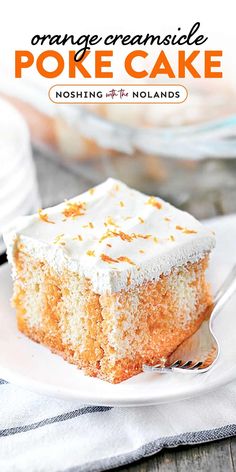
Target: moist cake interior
110, 336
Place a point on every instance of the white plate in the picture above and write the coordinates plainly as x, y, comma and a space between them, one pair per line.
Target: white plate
32, 366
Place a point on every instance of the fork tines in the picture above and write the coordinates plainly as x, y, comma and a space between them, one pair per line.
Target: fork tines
189, 365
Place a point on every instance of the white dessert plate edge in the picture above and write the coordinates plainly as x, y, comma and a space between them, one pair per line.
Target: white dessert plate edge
33, 367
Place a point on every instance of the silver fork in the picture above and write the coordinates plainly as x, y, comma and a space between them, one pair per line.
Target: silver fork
201, 350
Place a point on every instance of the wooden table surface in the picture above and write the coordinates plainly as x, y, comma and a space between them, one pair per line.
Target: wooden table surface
57, 183
217, 456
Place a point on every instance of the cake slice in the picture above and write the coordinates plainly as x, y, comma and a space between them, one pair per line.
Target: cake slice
111, 279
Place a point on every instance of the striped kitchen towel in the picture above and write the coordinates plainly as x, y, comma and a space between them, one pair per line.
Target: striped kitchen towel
43, 434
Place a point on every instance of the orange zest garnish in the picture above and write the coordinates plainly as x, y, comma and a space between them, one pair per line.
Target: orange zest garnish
110, 222
90, 253
172, 238
108, 259
154, 202
124, 236
125, 259
72, 209
189, 231
78, 237
167, 219
186, 230
89, 225
44, 217
141, 219
142, 236
58, 239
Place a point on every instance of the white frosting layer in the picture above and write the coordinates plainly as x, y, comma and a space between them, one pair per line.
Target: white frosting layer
113, 235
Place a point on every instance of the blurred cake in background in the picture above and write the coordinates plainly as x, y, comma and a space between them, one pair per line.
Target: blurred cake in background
204, 103
83, 131
168, 149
